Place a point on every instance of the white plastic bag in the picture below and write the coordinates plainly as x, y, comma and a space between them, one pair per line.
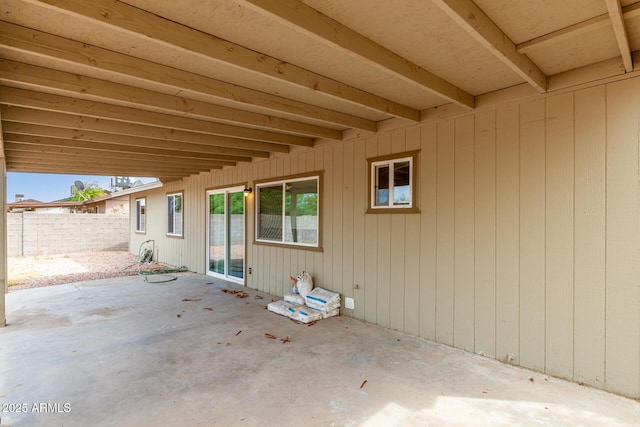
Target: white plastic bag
304, 284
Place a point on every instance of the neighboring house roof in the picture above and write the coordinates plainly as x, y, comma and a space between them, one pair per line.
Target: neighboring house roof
36, 204
28, 201
131, 190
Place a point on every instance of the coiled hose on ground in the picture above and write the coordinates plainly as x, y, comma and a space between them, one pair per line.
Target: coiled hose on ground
163, 274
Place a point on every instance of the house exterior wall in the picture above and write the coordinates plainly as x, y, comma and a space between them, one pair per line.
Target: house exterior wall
526, 248
119, 205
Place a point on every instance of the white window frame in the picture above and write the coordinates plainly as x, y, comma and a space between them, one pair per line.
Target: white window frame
390, 161
283, 182
173, 233
141, 203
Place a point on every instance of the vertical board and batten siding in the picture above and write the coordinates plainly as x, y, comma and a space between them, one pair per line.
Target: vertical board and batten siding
464, 231
590, 237
526, 248
532, 235
485, 233
508, 233
428, 229
412, 252
622, 248
445, 215
559, 235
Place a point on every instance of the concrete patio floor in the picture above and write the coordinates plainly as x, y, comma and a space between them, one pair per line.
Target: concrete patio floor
129, 353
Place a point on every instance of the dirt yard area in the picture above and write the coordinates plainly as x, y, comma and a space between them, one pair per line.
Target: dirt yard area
34, 272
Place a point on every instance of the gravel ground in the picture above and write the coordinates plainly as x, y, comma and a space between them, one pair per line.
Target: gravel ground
35, 272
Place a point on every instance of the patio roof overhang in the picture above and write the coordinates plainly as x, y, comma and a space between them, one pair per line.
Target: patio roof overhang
171, 89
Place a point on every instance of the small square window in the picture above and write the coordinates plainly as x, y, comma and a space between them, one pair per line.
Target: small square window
141, 215
174, 214
393, 183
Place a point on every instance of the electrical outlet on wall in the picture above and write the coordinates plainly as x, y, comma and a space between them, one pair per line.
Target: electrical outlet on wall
349, 303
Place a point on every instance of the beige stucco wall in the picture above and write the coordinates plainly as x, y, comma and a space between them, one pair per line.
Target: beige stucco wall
116, 206
527, 246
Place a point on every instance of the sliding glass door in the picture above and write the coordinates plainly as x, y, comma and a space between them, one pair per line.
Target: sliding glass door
226, 234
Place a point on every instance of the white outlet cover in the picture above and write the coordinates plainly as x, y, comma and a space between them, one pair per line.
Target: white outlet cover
349, 303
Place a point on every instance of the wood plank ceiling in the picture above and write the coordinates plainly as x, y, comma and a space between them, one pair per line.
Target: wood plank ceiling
170, 88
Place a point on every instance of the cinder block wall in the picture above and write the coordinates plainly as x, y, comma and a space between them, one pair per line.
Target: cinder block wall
41, 234
14, 234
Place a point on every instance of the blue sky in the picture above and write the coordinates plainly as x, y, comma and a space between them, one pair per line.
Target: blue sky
47, 188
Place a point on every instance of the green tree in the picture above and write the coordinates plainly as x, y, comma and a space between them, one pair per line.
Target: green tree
89, 192
236, 200
307, 204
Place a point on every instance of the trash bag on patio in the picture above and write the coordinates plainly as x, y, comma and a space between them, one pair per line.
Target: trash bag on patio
302, 284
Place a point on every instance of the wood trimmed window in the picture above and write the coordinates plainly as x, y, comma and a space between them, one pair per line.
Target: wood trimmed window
141, 215
175, 208
288, 212
393, 183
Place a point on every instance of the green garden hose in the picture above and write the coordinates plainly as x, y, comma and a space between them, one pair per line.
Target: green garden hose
163, 274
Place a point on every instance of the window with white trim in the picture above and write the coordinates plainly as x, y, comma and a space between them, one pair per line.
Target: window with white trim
141, 218
174, 214
288, 211
392, 183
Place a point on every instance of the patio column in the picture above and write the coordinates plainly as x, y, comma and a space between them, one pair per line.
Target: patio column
3, 233
3, 236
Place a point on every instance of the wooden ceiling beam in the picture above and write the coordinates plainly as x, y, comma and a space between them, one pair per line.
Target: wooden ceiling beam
575, 30
467, 15
67, 105
90, 136
104, 168
62, 83
15, 38
144, 24
16, 147
53, 159
48, 118
299, 16
620, 31
628, 12
90, 162
100, 170
118, 148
